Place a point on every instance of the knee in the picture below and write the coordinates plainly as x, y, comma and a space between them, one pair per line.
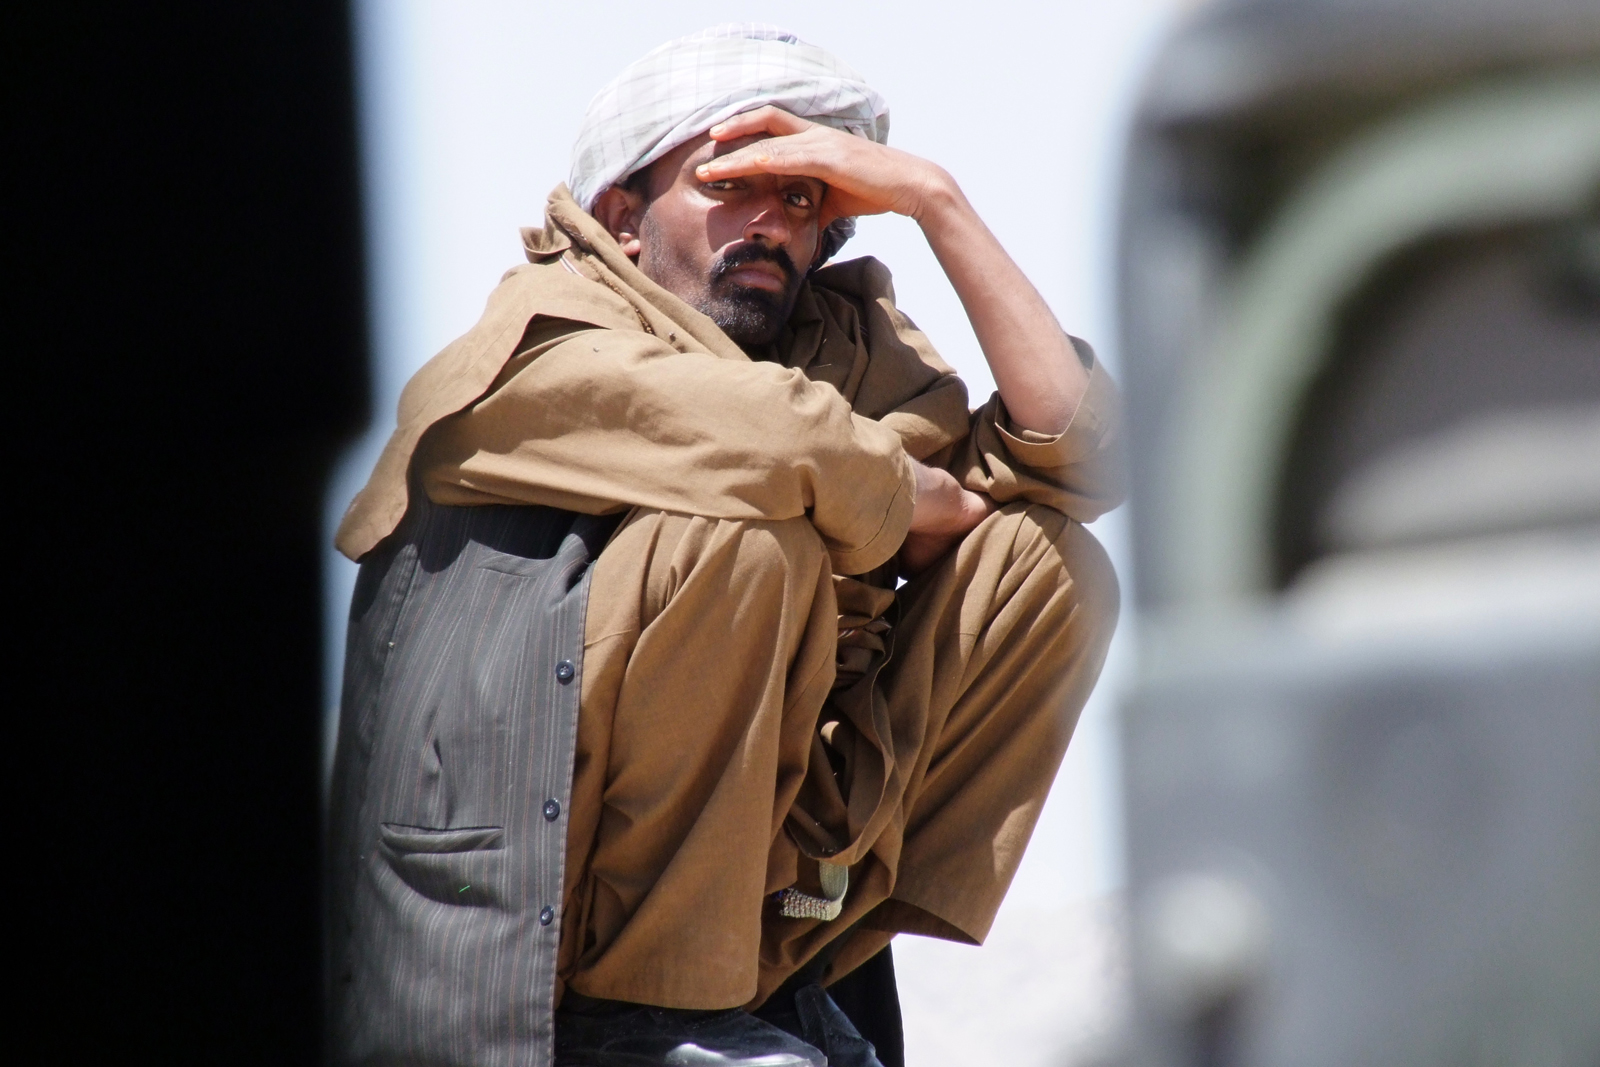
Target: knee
1071, 558
792, 544
1094, 579
750, 552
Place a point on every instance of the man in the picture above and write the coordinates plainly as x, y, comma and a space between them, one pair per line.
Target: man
682, 467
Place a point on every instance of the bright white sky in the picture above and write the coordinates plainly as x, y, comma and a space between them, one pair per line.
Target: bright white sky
469, 109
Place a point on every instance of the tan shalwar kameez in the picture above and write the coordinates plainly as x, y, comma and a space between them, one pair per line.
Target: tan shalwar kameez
747, 708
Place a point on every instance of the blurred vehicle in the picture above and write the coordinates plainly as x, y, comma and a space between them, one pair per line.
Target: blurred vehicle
1360, 311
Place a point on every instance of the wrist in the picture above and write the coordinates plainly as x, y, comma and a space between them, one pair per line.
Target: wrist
940, 200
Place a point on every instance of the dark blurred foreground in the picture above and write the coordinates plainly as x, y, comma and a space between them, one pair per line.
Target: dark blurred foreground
1361, 311
186, 309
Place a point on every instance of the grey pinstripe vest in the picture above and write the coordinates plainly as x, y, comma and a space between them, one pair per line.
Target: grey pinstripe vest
454, 766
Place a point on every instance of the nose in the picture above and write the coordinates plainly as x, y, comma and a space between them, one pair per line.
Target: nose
769, 223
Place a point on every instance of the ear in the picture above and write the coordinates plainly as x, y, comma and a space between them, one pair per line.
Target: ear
620, 210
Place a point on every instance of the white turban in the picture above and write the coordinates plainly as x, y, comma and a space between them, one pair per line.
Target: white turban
685, 87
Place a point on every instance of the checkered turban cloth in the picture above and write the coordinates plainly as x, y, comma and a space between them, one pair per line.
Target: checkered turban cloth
685, 87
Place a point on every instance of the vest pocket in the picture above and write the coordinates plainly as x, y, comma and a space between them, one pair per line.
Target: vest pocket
459, 865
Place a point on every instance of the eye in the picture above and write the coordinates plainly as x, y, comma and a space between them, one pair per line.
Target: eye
722, 185
798, 199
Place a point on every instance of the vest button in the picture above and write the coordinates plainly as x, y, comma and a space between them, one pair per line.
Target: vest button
547, 915
552, 810
565, 671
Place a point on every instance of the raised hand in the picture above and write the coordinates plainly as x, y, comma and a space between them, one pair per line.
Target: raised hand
1034, 363
863, 178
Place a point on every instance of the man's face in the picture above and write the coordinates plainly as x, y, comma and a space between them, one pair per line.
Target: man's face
736, 250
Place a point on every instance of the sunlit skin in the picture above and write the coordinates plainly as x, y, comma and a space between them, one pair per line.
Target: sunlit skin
763, 185
682, 232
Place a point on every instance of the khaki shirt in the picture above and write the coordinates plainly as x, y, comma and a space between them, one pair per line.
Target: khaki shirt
588, 387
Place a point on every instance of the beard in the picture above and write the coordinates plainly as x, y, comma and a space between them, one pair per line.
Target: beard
750, 317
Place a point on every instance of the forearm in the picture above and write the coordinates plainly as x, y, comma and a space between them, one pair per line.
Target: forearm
1035, 366
605, 419
1033, 361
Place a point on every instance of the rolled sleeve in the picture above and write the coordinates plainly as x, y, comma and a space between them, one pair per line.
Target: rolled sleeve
1078, 471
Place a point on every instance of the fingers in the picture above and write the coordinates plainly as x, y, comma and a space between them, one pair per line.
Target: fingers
783, 154
766, 119
747, 160
862, 178
924, 547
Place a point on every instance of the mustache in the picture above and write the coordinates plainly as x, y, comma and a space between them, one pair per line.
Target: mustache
751, 252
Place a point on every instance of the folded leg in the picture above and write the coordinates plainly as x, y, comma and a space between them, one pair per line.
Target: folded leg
994, 654
708, 653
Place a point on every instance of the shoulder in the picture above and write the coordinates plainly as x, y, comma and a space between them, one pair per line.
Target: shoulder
905, 383
868, 287
552, 288
861, 281
542, 290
